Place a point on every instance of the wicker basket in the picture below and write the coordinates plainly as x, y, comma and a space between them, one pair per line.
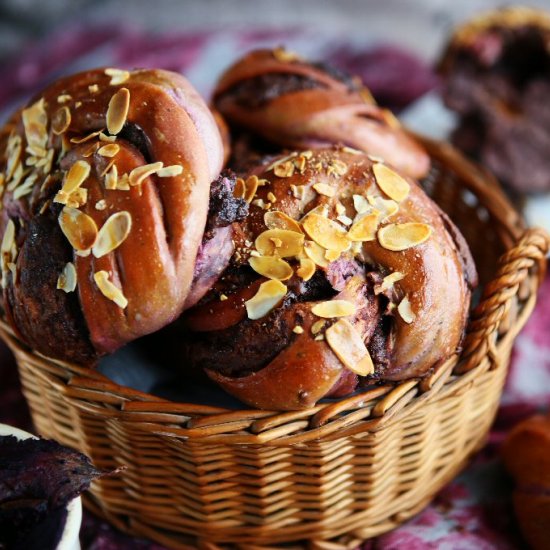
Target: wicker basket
328, 477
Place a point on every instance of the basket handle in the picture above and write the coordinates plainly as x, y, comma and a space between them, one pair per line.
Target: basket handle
498, 295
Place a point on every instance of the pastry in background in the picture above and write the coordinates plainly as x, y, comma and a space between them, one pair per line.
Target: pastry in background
526, 454
296, 104
496, 76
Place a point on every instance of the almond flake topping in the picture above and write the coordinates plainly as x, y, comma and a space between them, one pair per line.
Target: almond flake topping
26, 187
250, 187
284, 170
112, 233
285, 56
318, 326
324, 189
63, 98
393, 185
117, 112
326, 233
35, 121
110, 150
111, 178
307, 269
388, 282
387, 207
61, 120
401, 236
279, 220
405, 311
79, 228
268, 296
13, 155
85, 138
336, 167
291, 243
333, 308
364, 229
93, 88
118, 76
298, 330
347, 344
271, 267
315, 253
8, 251
67, 278
109, 290
140, 173
170, 171
76, 176
101, 204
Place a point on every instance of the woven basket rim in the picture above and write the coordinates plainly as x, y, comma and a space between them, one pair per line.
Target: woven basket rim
370, 410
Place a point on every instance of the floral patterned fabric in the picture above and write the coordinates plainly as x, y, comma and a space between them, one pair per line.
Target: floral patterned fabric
472, 512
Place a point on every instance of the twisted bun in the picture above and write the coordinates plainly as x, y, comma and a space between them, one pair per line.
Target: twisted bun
106, 188
344, 271
300, 105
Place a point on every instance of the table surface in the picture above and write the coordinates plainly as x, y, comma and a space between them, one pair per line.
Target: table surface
472, 512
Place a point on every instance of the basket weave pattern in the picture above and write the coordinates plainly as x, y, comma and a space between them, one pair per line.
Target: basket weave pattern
328, 477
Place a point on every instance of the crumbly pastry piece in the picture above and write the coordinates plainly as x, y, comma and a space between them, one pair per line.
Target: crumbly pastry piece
296, 104
344, 272
105, 188
526, 454
496, 70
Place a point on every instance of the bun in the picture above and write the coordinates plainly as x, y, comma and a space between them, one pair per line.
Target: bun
344, 272
106, 177
496, 71
526, 454
300, 105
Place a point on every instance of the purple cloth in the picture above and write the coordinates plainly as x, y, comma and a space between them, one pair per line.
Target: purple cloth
472, 512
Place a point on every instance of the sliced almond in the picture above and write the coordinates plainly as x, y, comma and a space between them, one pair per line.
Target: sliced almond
170, 171
284, 169
118, 76
326, 233
268, 296
393, 185
316, 253
101, 204
67, 278
117, 111
251, 186
336, 167
93, 88
78, 173
364, 229
35, 121
111, 178
8, 240
318, 326
333, 308
110, 290
405, 311
274, 219
13, 155
110, 150
285, 56
61, 120
291, 243
77, 198
325, 189
307, 269
298, 330
388, 282
79, 228
140, 173
63, 98
387, 207
271, 267
85, 138
104, 137
401, 236
112, 233
346, 343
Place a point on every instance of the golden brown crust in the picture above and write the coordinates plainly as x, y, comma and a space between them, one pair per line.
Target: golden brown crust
300, 106
147, 250
431, 275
